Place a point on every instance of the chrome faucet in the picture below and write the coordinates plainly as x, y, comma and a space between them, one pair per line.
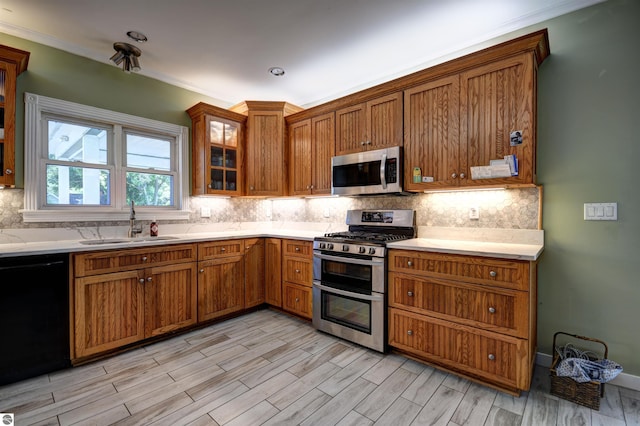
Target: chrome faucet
133, 228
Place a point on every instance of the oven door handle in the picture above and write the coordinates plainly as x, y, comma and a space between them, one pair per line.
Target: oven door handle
372, 262
375, 298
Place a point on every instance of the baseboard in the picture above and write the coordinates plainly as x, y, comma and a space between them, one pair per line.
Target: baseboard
624, 380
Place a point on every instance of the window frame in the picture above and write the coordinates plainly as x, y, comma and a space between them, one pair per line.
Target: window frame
38, 108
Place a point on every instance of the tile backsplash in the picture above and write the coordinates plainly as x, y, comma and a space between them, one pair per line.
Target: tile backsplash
507, 209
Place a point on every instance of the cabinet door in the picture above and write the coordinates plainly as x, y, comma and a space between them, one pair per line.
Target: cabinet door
350, 129
223, 157
170, 298
431, 129
273, 271
266, 154
8, 122
254, 267
109, 312
323, 143
384, 122
495, 100
220, 287
297, 300
300, 163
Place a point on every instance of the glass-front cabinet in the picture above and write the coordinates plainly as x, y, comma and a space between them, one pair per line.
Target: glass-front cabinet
12, 63
217, 141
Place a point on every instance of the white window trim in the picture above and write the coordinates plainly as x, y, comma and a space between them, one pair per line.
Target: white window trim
35, 106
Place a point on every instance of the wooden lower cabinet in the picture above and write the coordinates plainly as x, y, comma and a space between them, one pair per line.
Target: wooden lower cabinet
115, 309
273, 271
297, 299
220, 287
472, 315
297, 277
254, 267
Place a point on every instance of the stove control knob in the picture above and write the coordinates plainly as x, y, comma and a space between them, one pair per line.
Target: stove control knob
345, 247
330, 246
322, 245
372, 250
362, 250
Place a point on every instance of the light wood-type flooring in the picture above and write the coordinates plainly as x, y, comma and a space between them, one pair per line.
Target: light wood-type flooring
269, 368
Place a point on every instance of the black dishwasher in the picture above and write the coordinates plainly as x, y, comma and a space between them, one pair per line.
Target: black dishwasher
34, 315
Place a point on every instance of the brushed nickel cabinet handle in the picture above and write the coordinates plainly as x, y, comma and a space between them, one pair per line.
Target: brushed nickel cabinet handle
493, 273
223, 249
141, 280
149, 279
453, 175
9, 171
409, 263
492, 357
409, 332
144, 258
201, 270
492, 310
297, 271
462, 176
410, 293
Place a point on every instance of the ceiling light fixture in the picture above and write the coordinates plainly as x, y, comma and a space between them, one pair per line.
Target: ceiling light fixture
137, 36
127, 55
276, 71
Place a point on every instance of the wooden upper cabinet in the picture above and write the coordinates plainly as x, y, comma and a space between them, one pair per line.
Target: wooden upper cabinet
12, 63
311, 144
374, 124
497, 99
217, 150
266, 152
431, 131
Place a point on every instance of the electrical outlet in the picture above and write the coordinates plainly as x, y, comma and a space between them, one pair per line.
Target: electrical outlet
205, 212
474, 213
326, 212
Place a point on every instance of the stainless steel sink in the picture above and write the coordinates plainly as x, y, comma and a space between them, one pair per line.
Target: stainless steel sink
103, 241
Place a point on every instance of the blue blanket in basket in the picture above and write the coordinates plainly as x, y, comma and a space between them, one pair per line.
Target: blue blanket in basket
585, 370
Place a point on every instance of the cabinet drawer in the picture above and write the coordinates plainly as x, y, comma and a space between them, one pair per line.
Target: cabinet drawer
217, 249
297, 270
297, 248
512, 274
297, 299
503, 311
126, 260
486, 355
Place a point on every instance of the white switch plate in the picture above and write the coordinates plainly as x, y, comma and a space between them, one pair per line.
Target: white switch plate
600, 211
474, 213
205, 212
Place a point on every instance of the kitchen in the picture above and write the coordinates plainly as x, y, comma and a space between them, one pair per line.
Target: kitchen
584, 277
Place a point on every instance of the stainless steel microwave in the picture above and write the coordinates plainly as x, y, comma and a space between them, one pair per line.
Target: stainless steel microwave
367, 173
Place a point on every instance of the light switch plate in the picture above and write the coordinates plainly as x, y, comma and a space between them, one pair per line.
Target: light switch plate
600, 211
205, 212
474, 213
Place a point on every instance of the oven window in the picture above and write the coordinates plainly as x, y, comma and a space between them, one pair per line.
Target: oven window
347, 311
347, 276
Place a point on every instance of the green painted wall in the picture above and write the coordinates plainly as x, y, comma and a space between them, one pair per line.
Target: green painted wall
588, 106
57, 74
588, 103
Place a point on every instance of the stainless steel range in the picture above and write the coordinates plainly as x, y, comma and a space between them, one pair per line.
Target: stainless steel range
350, 275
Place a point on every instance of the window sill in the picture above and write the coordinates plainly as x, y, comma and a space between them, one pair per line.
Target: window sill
33, 216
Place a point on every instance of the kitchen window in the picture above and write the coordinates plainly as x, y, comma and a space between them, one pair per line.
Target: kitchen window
88, 164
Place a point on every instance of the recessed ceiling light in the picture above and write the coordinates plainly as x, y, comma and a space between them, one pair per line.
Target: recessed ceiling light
137, 36
277, 71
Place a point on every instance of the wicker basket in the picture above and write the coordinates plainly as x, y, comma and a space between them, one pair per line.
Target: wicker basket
588, 393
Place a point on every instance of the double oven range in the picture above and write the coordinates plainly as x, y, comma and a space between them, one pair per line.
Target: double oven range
350, 275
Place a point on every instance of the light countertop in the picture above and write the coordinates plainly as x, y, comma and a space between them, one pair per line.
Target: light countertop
500, 243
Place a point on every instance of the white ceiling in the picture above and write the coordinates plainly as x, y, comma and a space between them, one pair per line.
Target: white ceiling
223, 48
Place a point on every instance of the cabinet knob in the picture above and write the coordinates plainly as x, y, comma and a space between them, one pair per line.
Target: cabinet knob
297, 248
493, 273
297, 271
453, 175
409, 263
311, 186
251, 187
144, 258
462, 176
9, 171
223, 249
308, 186
297, 300
141, 280
410, 293
492, 310
149, 279
368, 142
363, 143
209, 186
409, 332
492, 357
201, 271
